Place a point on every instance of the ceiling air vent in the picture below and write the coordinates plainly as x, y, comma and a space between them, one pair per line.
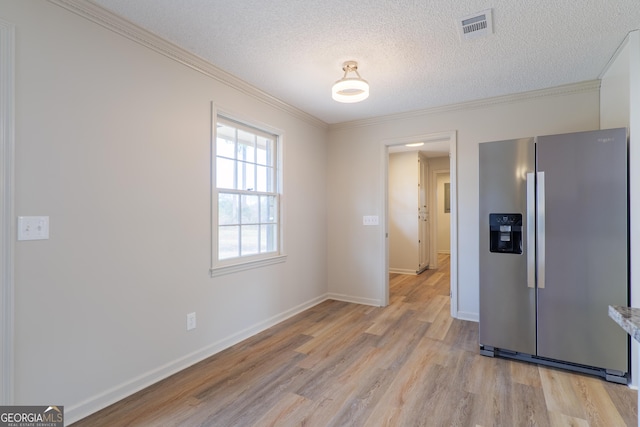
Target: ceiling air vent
475, 26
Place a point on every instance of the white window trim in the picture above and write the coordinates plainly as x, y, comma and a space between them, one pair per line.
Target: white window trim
246, 265
234, 265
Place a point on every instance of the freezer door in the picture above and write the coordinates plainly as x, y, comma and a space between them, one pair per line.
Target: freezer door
507, 303
585, 247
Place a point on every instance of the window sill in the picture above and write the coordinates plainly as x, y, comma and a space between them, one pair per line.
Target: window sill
246, 265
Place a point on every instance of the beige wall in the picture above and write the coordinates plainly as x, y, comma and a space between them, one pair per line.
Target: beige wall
112, 143
403, 212
443, 218
355, 185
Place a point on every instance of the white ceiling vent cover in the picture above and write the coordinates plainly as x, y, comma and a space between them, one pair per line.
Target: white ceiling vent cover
475, 26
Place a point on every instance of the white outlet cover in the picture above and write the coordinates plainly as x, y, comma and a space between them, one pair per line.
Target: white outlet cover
33, 227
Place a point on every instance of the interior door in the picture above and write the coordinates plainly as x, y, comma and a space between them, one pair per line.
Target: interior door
423, 213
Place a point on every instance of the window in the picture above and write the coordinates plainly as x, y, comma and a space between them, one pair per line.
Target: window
246, 197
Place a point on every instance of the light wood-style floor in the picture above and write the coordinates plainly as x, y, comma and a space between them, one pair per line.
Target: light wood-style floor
341, 364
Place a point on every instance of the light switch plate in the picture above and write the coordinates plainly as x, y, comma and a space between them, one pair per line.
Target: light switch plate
191, 321
370, 220
33, 227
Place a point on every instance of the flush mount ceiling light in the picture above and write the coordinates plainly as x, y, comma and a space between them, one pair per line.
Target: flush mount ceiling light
414, 144
350, 89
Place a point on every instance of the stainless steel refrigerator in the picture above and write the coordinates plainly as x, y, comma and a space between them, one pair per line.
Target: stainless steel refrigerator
554, 250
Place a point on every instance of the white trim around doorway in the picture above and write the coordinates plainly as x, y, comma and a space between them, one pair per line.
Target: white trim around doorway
451, 136
7, 145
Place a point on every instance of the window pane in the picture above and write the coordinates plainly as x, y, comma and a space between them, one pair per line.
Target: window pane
228, 242
225, 131
268, 238
240, 178
250, 183
264, 180
265, 151
228, 207
268, 209
250, 209
225, 147
224, 173
246, 176
250, 239
246, 146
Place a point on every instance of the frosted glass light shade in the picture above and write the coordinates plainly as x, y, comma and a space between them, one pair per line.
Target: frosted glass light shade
350, 90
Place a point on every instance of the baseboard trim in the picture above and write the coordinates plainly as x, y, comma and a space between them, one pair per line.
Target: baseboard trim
402, 271
100, 401
355, 300
465, 315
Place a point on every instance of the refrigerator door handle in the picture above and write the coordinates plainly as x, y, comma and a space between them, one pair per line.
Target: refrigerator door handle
531, 230
540, 222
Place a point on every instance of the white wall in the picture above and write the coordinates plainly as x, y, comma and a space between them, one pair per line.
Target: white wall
112, 143
620, 107
443, 218
614, 91
403, 212
355, 186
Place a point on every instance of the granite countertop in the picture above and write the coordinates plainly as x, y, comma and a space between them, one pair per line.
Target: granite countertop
628, 318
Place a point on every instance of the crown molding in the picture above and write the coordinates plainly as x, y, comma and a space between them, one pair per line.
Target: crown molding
126, 28
618, 52
588, 86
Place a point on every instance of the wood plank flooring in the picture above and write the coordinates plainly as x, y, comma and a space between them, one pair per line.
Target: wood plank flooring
341, 364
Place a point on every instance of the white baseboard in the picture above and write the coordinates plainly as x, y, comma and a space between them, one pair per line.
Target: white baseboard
402, 271
465, 315
100, 401
355, 300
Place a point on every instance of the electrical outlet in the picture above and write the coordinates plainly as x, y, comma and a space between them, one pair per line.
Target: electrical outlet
191, 321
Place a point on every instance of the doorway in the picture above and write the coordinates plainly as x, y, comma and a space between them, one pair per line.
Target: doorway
441, 224
408, 213
448, 138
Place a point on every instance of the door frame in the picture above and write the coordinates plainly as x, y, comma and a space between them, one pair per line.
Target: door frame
451, 136
7, 150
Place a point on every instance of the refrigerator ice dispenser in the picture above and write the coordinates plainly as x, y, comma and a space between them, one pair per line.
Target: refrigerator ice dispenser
505, 233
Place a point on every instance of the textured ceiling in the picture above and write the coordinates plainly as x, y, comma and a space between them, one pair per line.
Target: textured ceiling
409, 50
